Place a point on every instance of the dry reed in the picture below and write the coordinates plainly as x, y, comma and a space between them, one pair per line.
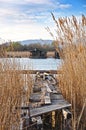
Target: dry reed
71, 44
12, 91
18, 54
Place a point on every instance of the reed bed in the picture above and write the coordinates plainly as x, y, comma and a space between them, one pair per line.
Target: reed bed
71, 45
12, 91
20, 54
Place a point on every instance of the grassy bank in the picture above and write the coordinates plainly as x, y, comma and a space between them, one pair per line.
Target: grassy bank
71, 44
19, 54
23, 54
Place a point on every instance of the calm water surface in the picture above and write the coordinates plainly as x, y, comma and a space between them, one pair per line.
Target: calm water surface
36, 64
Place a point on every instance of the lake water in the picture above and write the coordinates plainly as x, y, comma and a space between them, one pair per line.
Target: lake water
36, 64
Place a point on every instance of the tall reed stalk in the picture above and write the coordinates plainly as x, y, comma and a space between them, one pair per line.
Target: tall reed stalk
12, 90
71, 44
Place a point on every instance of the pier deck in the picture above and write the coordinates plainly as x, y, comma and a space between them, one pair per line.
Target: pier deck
46, 84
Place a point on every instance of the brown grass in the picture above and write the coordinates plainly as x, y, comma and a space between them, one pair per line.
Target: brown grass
12, 92
71, 36
50, 54
18, 54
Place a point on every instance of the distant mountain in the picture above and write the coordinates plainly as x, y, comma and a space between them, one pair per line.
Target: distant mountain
26, 42
3, 41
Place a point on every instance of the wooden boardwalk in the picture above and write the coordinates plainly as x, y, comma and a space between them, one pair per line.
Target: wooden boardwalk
46, 96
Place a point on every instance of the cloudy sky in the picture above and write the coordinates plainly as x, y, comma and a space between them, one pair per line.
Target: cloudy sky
27, 19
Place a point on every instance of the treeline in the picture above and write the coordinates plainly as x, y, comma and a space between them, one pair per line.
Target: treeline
16, 46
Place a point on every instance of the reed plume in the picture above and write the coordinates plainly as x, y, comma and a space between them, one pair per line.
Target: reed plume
71, 45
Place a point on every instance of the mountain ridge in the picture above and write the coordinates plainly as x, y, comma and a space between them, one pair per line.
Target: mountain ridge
28, 41
33, 41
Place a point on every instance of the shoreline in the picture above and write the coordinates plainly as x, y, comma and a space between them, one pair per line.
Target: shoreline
27, 54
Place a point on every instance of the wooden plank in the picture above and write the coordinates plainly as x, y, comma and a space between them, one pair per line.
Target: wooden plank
35, 97
47, 99
36, 89
60, 102
56, 96
43, 103
54, 102
48, 108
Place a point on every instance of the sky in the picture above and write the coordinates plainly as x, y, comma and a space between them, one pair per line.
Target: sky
27, 19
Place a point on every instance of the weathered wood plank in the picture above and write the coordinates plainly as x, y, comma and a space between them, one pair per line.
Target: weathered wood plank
50, 102
36, 97
47, 98
48, 108
56, 96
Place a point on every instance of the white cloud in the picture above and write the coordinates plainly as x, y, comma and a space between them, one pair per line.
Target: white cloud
30, 1
27, 1
27, 19
49, 3
7, 11
5, 0
37, 1
14, 16
11, 1
64, 6
21, 32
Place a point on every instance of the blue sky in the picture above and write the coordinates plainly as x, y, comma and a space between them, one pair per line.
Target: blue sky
27, 19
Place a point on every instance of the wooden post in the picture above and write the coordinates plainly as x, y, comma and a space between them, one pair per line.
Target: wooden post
66, 119
39, 123
53, 119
